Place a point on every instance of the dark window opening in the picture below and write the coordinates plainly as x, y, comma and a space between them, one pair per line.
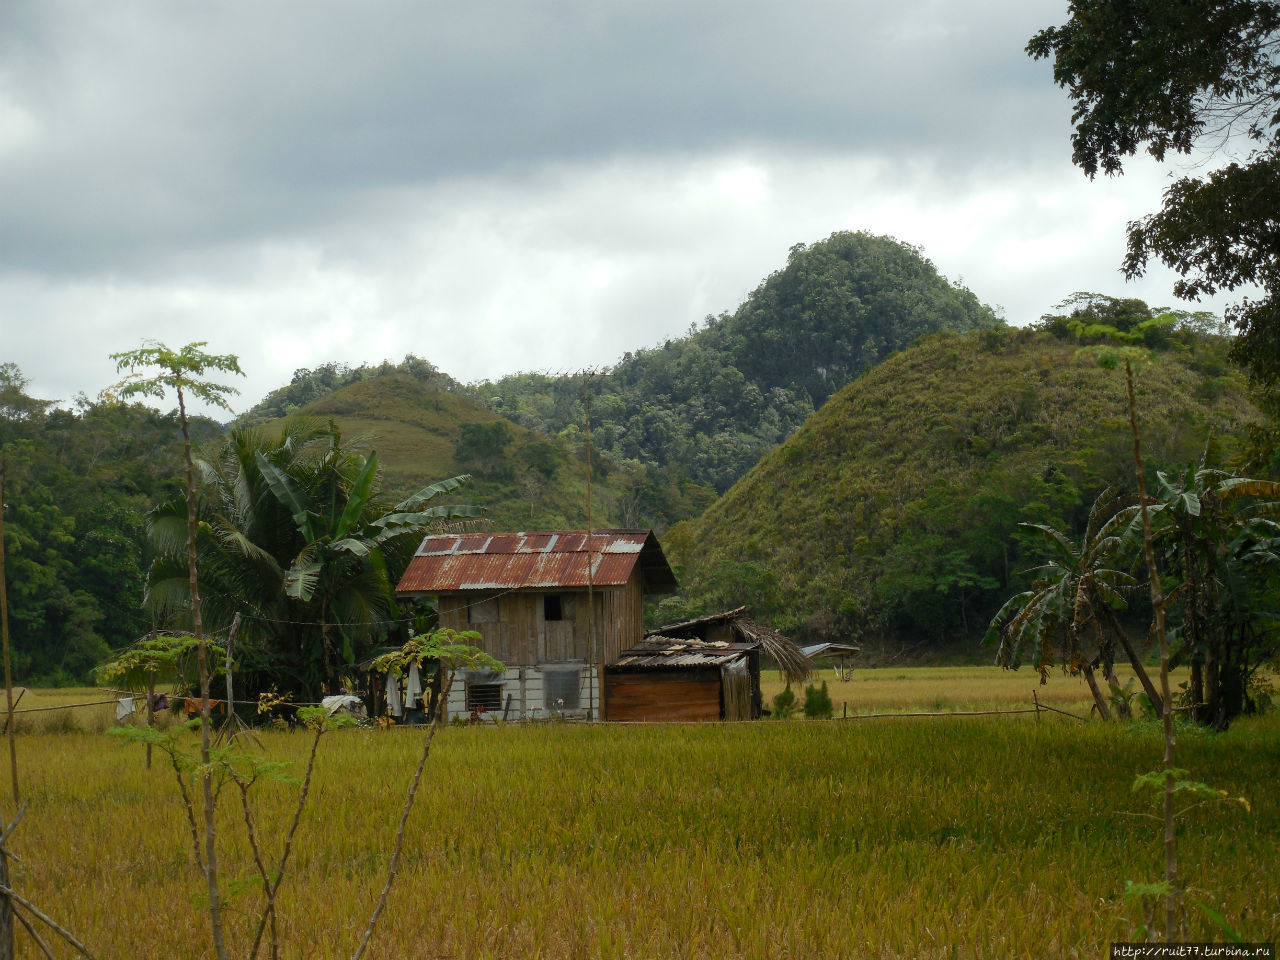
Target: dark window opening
483, 611
562, 688
484, 696
552, 607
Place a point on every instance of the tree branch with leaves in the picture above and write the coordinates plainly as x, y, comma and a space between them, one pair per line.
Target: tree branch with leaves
154, 370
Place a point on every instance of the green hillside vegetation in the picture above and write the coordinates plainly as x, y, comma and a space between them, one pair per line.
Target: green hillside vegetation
80, 482
712, 403
307, 386
892, 514
671, 425
519, 478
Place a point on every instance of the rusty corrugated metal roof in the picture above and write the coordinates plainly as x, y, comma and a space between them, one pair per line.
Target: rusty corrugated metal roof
449, 563
659, 651
684, 627
746, 633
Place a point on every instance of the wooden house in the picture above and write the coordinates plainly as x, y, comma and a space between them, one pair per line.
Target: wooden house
699, 670
554, 607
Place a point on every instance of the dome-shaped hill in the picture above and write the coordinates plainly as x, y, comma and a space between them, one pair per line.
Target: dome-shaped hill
715, 401
893, 511
423, 433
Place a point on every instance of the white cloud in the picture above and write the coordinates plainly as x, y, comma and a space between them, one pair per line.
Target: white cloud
522, 186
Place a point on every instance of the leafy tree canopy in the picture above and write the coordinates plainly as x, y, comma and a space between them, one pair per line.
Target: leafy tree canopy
295, 536
710, 404
1183, 78
80, 481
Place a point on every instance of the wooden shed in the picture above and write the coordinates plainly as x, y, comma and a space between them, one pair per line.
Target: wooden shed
698, 670
553, 606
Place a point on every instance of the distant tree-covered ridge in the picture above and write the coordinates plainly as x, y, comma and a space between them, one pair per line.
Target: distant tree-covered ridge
308, 386
80, 482
893, 512
713, 402
521, 478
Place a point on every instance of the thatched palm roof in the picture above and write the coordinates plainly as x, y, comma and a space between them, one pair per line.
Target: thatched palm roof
790, 658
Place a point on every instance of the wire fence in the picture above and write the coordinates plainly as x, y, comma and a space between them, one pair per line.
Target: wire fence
178, 704
1036, 707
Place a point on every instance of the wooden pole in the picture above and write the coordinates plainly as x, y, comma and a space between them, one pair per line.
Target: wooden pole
231, 702
591, 579
151, 691
151, 709
4, 632
6, 904
1173, 901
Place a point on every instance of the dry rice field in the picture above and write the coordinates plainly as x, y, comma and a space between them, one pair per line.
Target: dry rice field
976, 837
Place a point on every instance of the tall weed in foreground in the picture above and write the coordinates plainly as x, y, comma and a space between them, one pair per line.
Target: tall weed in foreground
233, 766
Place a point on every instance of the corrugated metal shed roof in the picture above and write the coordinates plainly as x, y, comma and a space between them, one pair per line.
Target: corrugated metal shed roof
685, 626
747, 633
659, 651
449, 563
815, 650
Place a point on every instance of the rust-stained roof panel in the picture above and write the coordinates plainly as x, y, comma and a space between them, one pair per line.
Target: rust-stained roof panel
447, 563
661, 652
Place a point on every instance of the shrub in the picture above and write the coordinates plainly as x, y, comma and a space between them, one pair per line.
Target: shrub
817, 703
784, 704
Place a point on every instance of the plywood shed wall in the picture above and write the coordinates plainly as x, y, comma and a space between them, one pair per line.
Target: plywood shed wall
658, 696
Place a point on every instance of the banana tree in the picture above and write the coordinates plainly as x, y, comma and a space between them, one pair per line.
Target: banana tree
1219, 539
1074, 593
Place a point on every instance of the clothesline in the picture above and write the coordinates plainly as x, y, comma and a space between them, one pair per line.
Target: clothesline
321, 623
142, 696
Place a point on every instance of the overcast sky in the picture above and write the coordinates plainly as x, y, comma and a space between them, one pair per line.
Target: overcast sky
516, 184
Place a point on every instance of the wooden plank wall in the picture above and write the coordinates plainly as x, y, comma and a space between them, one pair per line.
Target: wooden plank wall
521, 635
623, 618
661, 697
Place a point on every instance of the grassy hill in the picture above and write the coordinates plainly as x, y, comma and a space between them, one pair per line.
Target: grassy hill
893, 512
520, 478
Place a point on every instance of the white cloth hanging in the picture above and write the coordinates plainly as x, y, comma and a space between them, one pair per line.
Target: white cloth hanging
125, 708
413, 688
393, 695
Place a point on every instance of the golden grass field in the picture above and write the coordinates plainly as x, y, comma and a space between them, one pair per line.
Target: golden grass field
885, 838
945, 689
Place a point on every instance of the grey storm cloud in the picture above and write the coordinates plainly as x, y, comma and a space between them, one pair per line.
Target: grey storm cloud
140, 130
515, 185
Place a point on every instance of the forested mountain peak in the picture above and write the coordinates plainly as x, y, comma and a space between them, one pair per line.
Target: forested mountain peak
708, 405
713, 402
837, 309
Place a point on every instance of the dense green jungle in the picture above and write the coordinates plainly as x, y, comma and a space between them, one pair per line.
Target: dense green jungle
850, 453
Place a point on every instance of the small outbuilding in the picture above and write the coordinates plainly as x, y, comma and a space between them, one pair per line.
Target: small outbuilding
699, 670
553, 606
841, 653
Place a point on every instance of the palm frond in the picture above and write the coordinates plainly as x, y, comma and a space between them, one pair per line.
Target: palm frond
287, 492
358, 497
429, 492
